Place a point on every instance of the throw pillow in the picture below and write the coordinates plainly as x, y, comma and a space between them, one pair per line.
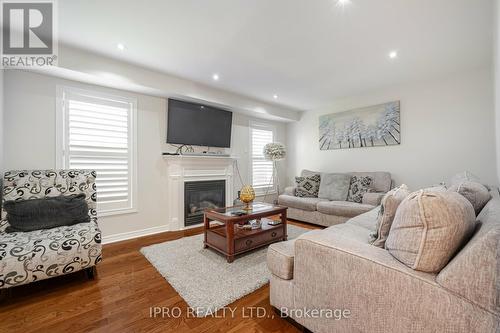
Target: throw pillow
307, 186
464, 176
334, 186
476, 193
467, 176
428, 229
46, 213
388, 208
358, 187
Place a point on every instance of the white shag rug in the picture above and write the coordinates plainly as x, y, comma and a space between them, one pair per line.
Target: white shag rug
203, 277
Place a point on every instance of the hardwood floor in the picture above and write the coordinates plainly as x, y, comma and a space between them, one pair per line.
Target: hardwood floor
120, 298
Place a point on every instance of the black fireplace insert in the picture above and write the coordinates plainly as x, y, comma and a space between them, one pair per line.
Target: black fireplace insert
201, 195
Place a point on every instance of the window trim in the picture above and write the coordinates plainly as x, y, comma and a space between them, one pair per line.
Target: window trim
268, 127
61, 140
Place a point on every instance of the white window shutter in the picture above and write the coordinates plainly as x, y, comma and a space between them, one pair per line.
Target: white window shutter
99, 135
262, 170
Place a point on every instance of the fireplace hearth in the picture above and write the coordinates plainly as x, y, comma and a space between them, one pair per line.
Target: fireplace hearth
201, 195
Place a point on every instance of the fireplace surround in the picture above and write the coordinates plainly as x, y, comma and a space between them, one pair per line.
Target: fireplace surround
182, 171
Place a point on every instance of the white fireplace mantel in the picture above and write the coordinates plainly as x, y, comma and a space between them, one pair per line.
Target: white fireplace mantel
189, 168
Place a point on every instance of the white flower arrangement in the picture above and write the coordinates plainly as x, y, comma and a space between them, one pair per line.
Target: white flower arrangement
274, 151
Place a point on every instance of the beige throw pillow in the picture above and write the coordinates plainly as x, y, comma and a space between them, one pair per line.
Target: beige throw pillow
476, 193
388, 209
429, 227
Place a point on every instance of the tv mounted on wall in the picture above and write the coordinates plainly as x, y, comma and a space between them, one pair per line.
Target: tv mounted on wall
198, 125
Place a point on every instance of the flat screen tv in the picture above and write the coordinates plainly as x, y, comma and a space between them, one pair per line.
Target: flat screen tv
198, 125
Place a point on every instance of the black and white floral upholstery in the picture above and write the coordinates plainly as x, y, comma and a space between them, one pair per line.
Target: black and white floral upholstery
31, 256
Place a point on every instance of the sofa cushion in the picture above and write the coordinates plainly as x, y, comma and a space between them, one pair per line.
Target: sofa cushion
307, 186
359, 186
366, 220
429, 227
343, 208
299, 203
41, 254
350, 231
390, 204
280, 259
476, 193
334, 186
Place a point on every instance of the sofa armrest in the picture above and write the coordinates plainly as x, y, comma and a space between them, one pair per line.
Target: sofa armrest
335, 270
290, 190
372, 198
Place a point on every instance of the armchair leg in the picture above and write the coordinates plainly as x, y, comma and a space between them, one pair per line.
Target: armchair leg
91, 272
5, 294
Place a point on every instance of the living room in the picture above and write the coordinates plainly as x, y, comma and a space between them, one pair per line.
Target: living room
253, 166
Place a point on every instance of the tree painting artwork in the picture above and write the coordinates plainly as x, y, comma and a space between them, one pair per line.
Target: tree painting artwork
372, 126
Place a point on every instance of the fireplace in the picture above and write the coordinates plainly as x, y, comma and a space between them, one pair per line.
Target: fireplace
201, 195
184, 171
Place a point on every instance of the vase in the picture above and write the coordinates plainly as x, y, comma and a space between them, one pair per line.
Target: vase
247, 195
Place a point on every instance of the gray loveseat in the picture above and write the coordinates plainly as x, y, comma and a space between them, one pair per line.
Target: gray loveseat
336, 268
327, 213
41, 254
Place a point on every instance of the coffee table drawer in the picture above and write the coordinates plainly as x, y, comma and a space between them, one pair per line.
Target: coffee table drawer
243, 244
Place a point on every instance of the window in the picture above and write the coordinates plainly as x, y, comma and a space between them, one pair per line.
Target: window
261, 169
97, 132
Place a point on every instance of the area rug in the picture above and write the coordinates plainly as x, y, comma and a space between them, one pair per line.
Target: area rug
203, 278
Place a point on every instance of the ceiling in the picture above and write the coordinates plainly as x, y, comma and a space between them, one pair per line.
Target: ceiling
308, 52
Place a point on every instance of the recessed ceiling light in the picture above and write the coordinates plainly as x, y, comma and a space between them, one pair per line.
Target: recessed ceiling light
275, 96
342, 3
215, 77
393, 54
120, 46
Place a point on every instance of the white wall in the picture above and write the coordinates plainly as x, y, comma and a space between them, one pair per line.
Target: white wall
496, 69
30, 131
447, 127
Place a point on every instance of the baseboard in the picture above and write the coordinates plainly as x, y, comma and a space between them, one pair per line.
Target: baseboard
133, 234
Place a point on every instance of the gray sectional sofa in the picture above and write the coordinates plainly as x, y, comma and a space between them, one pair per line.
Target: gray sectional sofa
371, 291
327, 213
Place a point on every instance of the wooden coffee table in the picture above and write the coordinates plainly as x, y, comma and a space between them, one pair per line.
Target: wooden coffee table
231, 240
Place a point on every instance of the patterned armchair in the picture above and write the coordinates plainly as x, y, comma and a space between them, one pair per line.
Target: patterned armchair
31, 256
